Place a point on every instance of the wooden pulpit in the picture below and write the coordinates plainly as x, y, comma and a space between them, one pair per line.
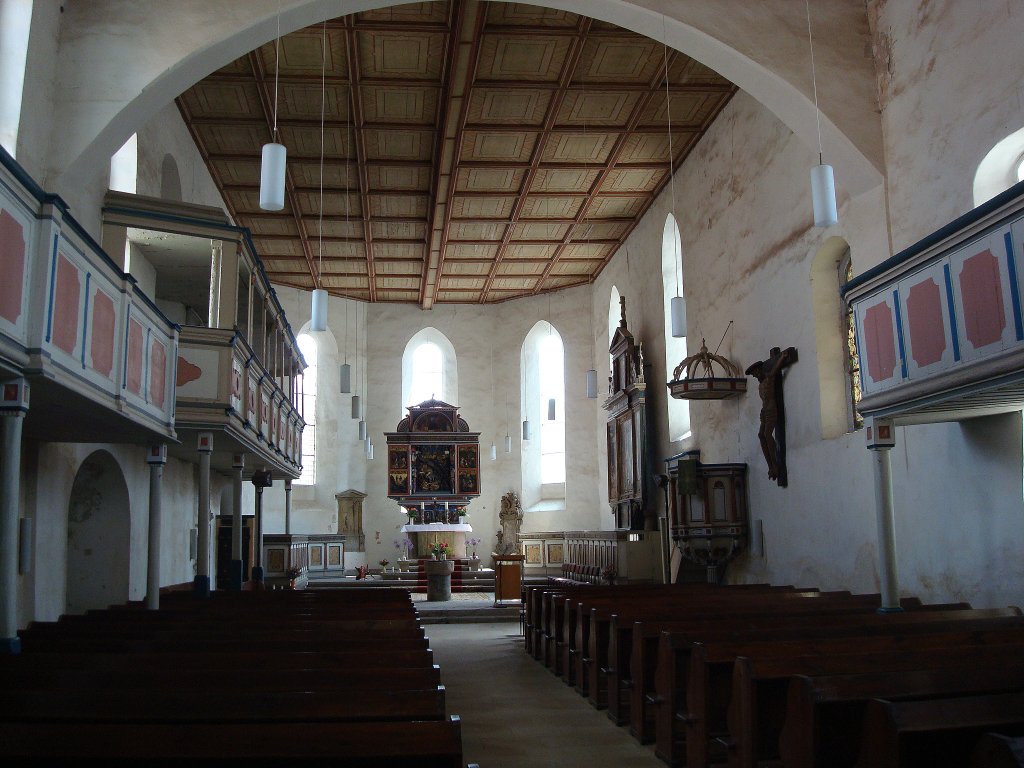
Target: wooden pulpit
508, 577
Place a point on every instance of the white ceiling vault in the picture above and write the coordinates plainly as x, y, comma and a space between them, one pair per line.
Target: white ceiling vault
473, 152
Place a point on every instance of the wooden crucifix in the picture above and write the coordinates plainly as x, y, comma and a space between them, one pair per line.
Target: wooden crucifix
772, 434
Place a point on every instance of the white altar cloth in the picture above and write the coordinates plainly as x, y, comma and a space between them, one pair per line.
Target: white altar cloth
437, 528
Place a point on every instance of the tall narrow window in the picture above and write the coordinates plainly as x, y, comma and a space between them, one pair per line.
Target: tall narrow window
427, 374
552, 389
15, 26
429, 369
850, 347
675, 346
542, 369
308, 384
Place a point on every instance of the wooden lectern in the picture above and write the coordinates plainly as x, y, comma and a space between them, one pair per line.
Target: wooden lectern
508, 577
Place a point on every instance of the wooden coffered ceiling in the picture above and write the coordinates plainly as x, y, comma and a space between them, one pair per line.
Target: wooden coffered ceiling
473, 152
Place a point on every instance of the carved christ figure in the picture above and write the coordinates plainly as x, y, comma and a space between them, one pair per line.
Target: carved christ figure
769, 375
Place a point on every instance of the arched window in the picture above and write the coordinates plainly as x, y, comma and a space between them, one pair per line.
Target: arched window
614, 313
427, 374
1000, 169
15, 26
308, 385
124, 167
853, 391
429, 369
838, 371
552, 390
542, 366
675, 347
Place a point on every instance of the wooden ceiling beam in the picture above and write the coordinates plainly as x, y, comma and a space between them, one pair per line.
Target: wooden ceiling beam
462, 57
554, 105
356, 112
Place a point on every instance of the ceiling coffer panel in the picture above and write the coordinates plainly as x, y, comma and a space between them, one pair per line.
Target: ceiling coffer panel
471, 152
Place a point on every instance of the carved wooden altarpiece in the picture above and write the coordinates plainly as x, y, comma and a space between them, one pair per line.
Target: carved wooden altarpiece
433, 463
627, 430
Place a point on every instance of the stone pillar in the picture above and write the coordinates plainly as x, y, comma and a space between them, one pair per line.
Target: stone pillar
156, 459
201, 585
288, 505
881, 438
13, 407
236, 577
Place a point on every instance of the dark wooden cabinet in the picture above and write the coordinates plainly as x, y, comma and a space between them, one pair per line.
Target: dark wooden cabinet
628, 472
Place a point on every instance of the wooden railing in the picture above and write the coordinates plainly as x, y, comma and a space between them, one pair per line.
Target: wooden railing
77, 325
940, 326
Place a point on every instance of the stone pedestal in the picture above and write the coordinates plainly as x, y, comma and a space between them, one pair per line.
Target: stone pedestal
439, 579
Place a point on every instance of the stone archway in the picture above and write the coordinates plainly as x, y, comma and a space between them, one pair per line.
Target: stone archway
761, 46
99, 533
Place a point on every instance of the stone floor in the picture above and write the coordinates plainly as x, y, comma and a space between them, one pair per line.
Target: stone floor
515, 713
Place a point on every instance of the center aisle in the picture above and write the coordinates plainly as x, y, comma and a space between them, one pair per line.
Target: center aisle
515, 713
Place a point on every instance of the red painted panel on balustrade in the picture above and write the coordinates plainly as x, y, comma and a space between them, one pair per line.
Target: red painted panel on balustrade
981, 289
102, 345
135, 343
12, 266
925, 322
157, 374
65, 307
878, 339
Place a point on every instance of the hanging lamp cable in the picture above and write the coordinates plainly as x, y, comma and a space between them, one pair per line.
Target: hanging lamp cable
323, 101
277, 65
814, 79
671, 157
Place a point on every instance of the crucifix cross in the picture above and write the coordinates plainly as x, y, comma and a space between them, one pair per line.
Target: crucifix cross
772, 433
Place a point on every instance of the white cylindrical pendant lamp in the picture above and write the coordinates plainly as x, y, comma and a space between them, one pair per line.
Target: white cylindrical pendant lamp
526, 429
508, 443
346, 378
357, 410
494, 452
369, 452
591, 383
678, 317
272, 177
823, 195
318, 315
551, 409
362, 429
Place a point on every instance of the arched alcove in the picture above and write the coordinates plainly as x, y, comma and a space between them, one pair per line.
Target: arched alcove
170, 180
99, 536
830, 337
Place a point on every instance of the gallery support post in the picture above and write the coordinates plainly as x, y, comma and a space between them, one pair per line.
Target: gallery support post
156, 458
881, 438
201, 585
13, 407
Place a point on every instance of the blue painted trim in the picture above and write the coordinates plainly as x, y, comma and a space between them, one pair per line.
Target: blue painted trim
962, 222
954, 332
85, 315
146, 349
1011, 267
53, 287
899, 332
127, 331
